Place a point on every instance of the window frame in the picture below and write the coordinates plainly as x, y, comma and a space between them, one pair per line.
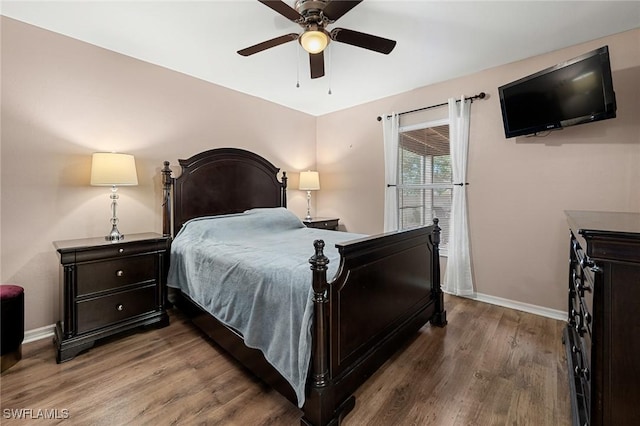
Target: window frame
431, 186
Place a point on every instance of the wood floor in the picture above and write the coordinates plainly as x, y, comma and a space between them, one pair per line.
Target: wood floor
488, 366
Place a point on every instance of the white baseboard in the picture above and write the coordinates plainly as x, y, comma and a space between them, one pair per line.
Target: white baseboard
39, 333
525, 307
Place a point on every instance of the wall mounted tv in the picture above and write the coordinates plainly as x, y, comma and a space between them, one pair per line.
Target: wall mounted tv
577, 91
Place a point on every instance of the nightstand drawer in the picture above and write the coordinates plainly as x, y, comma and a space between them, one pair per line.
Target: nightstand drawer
112, 251
102, 311
322, 223
95, 277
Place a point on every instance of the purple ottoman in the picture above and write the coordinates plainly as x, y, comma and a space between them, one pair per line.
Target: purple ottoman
11, 324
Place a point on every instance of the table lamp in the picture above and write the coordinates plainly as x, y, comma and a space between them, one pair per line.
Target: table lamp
114, 170
309, 181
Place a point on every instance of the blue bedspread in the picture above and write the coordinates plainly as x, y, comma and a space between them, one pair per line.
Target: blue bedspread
251, 271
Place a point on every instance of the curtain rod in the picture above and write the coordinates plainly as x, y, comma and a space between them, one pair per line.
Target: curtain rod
480, 95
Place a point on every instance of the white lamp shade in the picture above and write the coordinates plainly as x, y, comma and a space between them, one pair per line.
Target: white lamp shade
314, 41
110, 168
309, 181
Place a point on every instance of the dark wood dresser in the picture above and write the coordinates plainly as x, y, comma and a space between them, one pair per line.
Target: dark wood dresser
602, 337
109, 287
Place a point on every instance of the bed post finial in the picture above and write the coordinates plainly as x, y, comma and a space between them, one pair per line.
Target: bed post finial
283, 193
440, 316
167, 181
436, 233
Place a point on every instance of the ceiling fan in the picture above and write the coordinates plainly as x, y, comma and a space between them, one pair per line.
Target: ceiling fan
314, 16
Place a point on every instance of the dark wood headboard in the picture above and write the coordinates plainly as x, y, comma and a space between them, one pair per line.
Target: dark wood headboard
220, 181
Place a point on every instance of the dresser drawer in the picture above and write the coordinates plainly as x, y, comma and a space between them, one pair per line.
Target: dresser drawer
587, 316
579, 384
576, 279
98, 312
93, 277
574, 310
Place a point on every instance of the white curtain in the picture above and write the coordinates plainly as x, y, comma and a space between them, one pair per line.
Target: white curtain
390, 133
457, 278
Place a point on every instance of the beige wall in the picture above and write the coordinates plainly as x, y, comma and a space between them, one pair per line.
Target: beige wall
519, 187
63, 99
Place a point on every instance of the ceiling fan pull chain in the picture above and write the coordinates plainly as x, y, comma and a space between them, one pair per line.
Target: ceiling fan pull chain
330, 53
298, 66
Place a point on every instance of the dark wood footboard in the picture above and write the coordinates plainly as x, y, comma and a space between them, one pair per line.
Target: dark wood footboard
387, 287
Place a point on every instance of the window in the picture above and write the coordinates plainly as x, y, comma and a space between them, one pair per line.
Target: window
424, 177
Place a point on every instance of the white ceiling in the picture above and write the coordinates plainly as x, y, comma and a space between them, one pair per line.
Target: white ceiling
437, 41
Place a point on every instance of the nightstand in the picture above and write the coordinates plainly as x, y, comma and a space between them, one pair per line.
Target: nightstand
330, 223
109, 287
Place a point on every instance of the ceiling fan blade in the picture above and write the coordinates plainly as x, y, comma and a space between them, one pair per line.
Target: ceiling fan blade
335, 9
282, 8
268, 44
316, 63
366, 41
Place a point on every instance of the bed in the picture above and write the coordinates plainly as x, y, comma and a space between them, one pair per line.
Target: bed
362, 296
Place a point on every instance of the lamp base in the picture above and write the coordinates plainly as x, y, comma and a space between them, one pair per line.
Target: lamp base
114, 235
308, 216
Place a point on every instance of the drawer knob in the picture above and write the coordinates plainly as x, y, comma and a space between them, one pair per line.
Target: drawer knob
586, 263
120, 307
120, 250
120, 273
584, 372
575, 349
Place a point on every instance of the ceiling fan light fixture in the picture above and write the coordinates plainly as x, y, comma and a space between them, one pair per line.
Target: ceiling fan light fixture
314, 41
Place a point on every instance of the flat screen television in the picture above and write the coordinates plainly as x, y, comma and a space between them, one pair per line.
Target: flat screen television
577, 91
